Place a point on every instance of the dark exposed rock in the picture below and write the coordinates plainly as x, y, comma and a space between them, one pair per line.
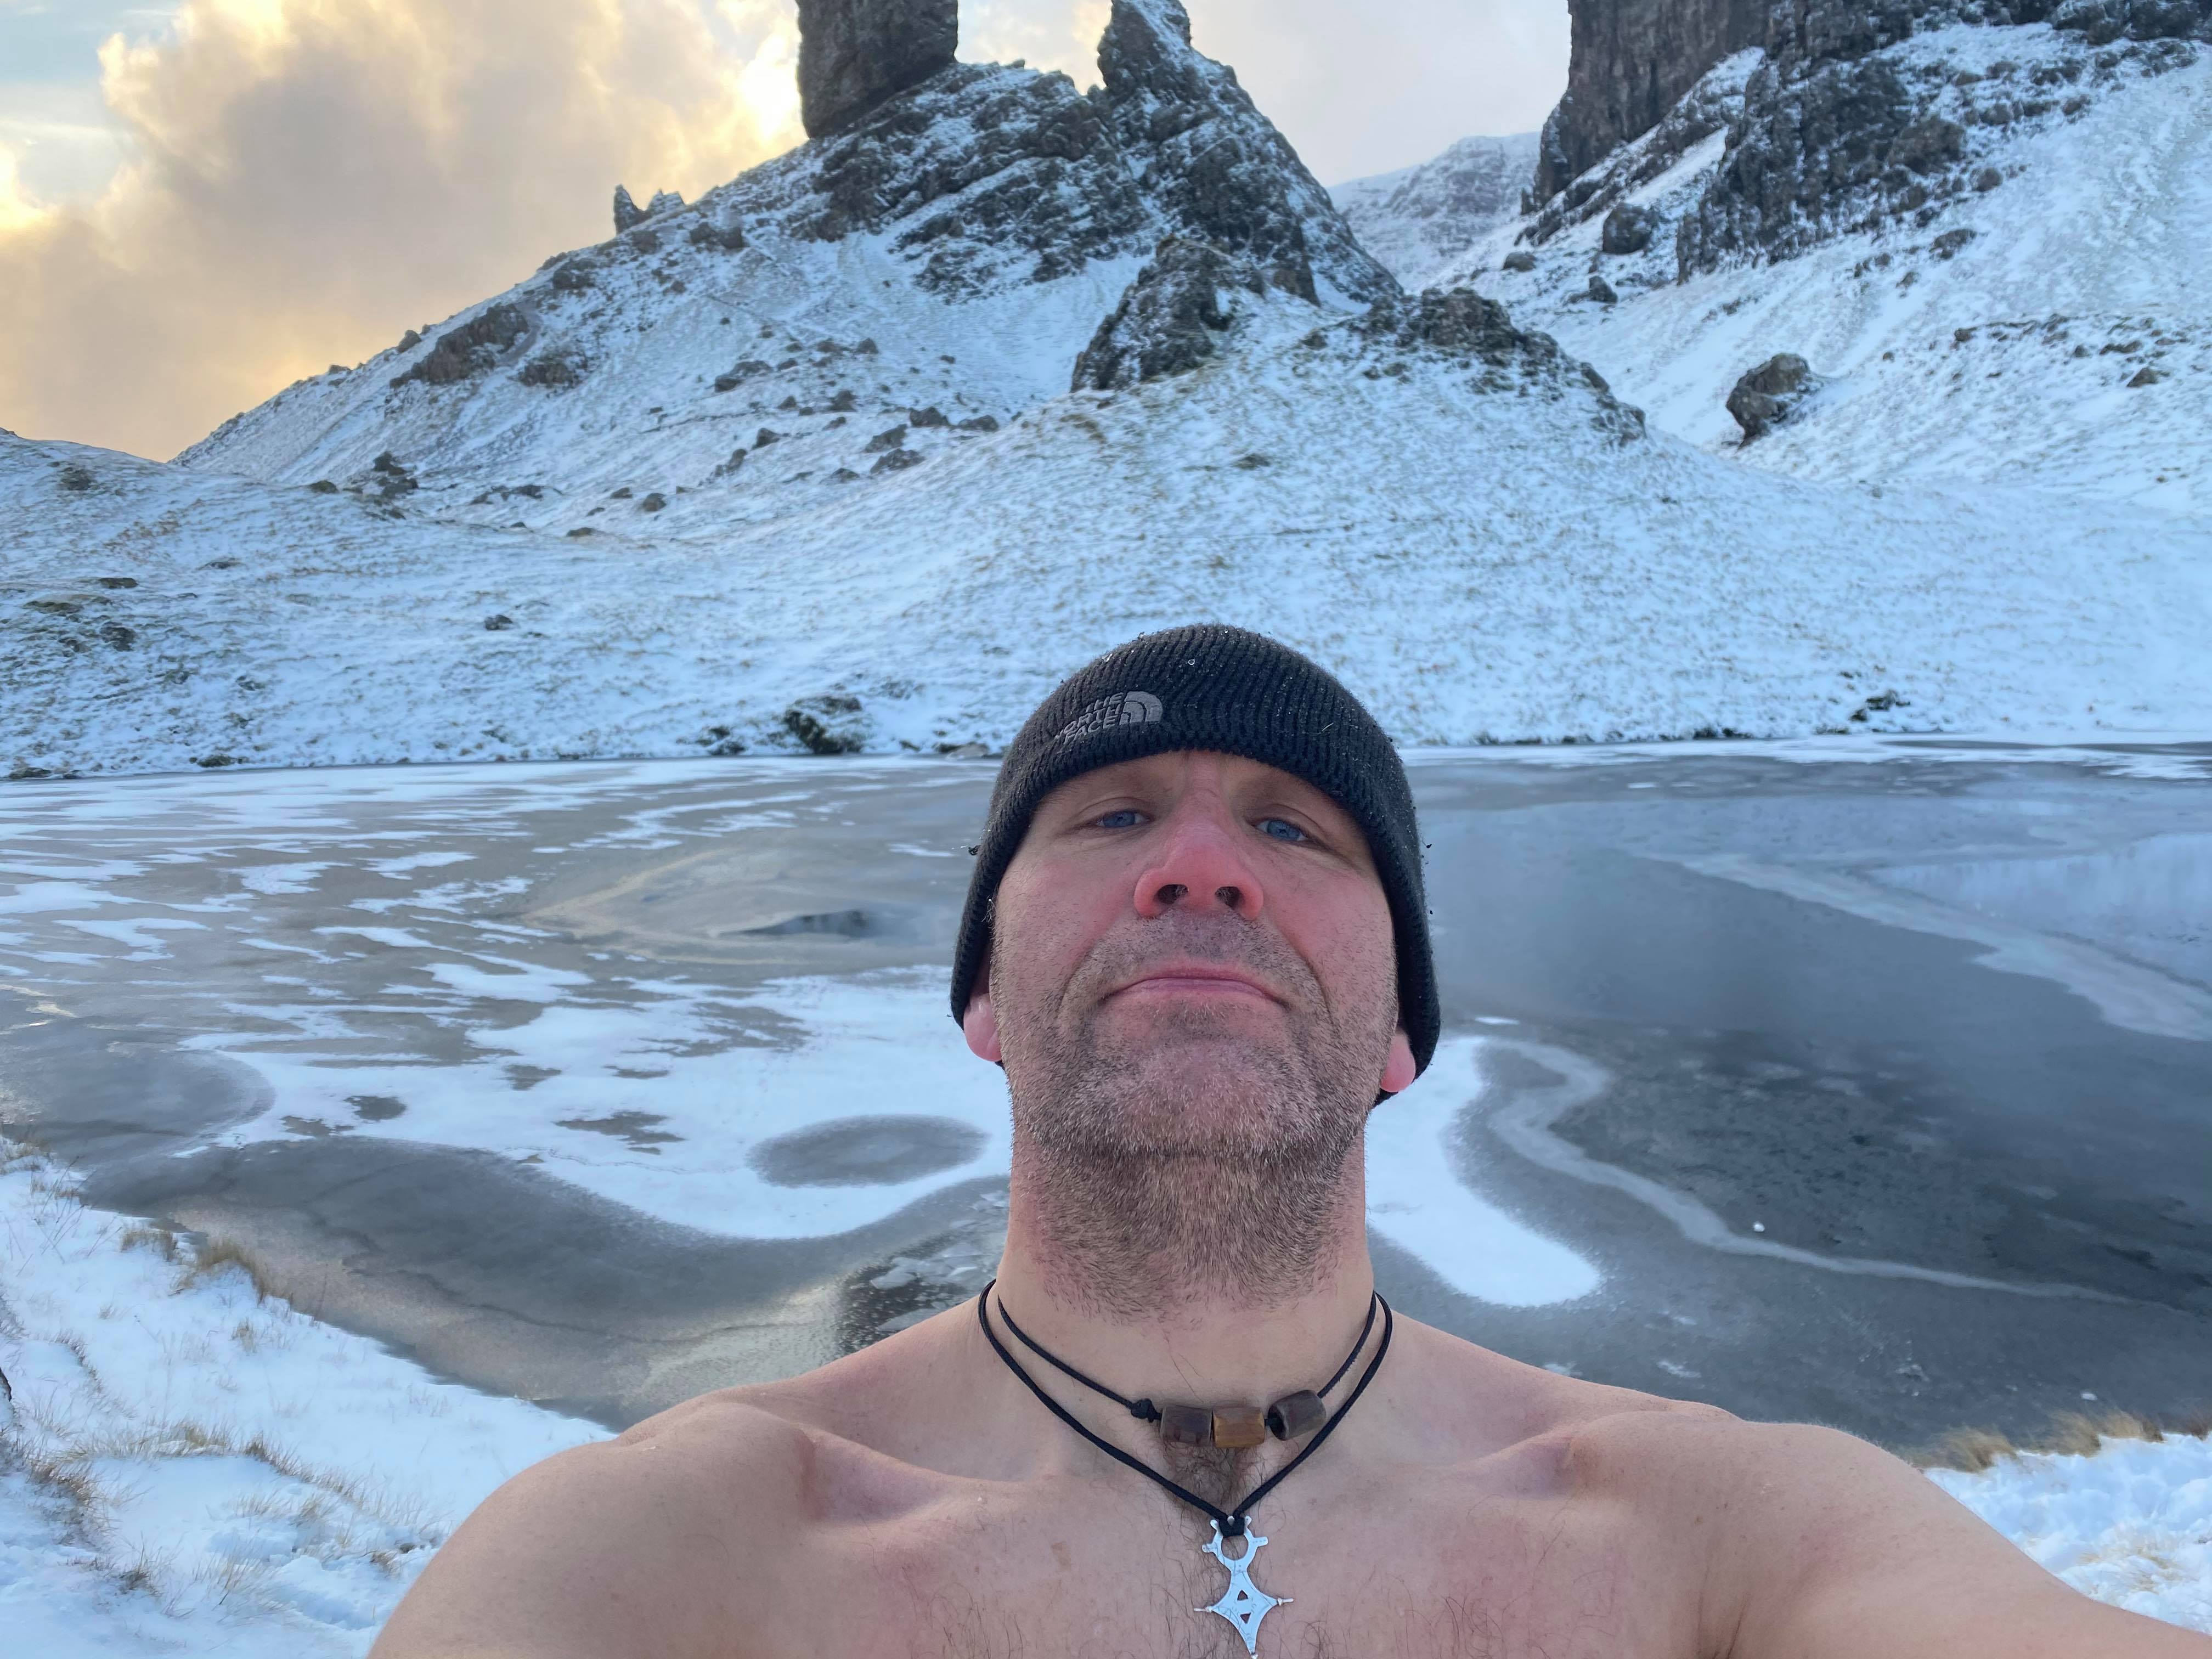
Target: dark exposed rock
574, 276
1628, 229
1601, 290
730, 237
475, 347
323, 487
894, 439
116, 635
2146, 376
498, 623
1170, 319
853, 55
663, 201
844, 404
627, 211
1213, 167
652, 503
765, 436
1812, 156
554, 370
1458, 321
117, 583
1629, 63
932, 417
1770, 394
979, 423
1947, 245
1519, 260
408, 341
75, 478
1034, 187
833, 725
897, 461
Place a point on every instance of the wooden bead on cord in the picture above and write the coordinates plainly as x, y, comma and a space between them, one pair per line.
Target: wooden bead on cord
1239, 1428
1295, 1416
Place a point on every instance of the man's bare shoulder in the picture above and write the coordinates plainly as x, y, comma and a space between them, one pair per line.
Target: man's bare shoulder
626, 1545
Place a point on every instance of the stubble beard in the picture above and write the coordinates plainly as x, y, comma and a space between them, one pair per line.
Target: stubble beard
1205, 1162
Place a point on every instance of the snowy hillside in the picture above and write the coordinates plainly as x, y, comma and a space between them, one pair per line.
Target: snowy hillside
840, 312
1421, 220
799, 467
2029, 310
1510, 561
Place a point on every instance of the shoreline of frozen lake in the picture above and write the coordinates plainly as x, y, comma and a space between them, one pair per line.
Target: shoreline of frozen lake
1765, 1076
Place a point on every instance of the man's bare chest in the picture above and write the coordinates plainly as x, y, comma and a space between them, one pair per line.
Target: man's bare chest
1403, 1575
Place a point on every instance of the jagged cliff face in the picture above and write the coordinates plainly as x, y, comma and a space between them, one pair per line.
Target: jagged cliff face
1631, 61
1216, 167
1634, 62
855, 54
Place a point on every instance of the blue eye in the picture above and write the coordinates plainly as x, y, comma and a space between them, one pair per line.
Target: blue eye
1125, 820
1281, 830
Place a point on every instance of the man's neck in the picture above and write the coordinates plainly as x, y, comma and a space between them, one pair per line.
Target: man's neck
1171, 1329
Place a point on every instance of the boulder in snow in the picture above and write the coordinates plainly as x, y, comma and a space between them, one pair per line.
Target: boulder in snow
1770, 393
1520, 259
628, 213
1628, 229
832, 725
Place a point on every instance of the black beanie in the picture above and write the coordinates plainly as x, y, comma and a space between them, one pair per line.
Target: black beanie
1227, 691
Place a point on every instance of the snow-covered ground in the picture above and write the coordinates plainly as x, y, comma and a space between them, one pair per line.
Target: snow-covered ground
187, 1467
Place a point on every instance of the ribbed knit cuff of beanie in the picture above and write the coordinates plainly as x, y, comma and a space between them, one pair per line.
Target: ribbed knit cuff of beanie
1228, 691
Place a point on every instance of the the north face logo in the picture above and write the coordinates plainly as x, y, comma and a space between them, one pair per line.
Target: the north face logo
1122, 708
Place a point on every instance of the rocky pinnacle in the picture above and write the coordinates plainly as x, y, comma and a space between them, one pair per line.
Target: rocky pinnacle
855, 54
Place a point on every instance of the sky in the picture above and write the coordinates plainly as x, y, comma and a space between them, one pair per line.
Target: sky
203, 200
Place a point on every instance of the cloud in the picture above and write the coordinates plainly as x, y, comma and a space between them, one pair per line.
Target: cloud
308, 177
305, 180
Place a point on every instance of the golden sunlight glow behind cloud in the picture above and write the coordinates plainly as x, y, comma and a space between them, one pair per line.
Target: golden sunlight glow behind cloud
310, 178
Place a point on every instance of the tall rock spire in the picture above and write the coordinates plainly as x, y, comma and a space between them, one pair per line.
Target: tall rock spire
853, 54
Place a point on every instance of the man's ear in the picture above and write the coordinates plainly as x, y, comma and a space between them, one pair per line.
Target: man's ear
1398, 1072
979, 1022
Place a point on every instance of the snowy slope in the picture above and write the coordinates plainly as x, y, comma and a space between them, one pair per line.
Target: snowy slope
2005, 355
1483, 548
944, 261
1421, 220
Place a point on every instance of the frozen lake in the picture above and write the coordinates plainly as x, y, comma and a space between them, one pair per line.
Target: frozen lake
1859, 1081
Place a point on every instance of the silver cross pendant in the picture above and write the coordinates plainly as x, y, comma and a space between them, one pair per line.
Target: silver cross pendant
1244, 1604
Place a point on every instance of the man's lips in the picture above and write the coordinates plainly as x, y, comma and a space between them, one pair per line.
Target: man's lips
1199, 979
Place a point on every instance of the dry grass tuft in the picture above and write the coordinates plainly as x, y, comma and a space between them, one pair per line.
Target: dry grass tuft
147, 1237
217, 1255
2078, 1434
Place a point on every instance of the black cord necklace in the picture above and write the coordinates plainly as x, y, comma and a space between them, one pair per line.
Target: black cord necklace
1244, 1604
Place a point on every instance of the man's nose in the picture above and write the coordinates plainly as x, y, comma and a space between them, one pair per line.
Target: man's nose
1199, 867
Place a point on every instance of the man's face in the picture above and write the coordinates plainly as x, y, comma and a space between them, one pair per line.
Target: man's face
1192, 955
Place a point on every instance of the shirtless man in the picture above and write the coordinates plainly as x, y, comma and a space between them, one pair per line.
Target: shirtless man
1197, 944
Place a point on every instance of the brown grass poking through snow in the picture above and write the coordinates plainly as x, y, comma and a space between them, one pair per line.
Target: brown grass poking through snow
2078, 1434
147, 1237
216, 1254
